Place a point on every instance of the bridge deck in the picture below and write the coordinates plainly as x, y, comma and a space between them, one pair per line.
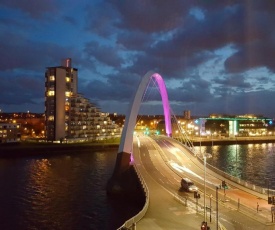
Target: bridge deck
167, 210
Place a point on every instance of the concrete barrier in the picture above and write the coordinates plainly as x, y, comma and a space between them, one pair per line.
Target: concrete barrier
131, 223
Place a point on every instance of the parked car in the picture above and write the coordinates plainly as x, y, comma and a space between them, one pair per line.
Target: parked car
188, 185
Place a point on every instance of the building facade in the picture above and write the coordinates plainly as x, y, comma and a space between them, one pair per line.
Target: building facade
9, 132
68, 115
242, 125
60, 86
89, 123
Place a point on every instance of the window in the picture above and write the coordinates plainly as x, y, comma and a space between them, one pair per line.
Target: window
51, 118
50, 93
52, 78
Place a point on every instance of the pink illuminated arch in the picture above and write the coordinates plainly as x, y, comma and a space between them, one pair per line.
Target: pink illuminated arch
130, 122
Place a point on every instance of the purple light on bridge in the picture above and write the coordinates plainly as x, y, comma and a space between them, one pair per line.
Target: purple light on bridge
165, 103
131, 159
131, 116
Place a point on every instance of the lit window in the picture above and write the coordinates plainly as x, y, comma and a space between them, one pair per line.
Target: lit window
52, 78
67, 79
51, 118
68, 94
98, 126
50, 93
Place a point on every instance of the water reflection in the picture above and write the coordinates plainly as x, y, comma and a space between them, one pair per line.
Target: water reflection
252, 162
61, 192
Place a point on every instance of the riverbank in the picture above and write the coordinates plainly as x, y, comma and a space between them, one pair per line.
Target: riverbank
22, 149
204, 141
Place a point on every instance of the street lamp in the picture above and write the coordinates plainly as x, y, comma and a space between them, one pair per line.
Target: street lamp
204, 160
205, 155
210, 208
217, 206
236, 151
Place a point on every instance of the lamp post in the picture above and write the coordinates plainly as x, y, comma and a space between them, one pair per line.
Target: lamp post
204, 159
210, 208
200, 141
205, 155
217, 208
236, 151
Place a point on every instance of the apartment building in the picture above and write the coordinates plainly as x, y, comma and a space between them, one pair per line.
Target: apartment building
88, 122
60, 86
68, 114
9, 132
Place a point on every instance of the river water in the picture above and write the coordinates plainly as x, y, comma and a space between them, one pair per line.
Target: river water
68, 191
254, 163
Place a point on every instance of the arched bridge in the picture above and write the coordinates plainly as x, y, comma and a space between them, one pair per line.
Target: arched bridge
125, 148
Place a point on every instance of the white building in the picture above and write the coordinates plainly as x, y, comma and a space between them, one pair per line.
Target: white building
68, 114
87, 121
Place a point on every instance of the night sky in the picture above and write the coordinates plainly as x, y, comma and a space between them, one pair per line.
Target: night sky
214, 56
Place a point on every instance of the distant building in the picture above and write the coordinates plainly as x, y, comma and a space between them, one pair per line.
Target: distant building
241, 125
67, 113
31, 124
9, 132
247, 125
187, 114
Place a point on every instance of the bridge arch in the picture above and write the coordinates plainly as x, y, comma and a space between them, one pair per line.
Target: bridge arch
120, 180
130, 120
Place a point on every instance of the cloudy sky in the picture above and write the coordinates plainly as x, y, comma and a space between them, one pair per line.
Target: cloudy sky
214, 56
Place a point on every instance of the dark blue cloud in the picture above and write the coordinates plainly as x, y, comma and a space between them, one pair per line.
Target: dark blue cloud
33, 8
215, 56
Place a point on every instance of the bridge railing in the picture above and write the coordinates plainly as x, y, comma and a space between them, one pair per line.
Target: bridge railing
239, 181
131, 223
246, 184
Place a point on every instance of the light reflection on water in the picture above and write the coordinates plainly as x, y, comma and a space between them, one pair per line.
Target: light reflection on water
252, 162
65, 191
